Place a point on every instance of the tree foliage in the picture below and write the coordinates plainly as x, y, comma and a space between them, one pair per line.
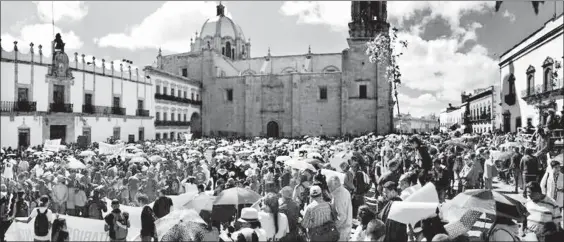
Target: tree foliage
387, 47
534, 3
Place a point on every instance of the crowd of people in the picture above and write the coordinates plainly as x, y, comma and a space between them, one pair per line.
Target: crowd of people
299, 201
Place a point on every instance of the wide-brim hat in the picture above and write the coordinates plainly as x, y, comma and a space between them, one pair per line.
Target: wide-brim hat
248, 215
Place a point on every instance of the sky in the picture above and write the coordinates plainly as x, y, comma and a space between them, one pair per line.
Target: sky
453, 46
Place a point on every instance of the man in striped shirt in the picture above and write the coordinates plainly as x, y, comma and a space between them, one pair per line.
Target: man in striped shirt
542, 210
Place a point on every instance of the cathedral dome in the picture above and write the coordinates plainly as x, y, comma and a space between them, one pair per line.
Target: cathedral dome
221, 26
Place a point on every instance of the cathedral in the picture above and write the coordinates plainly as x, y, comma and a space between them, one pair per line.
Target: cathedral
312, 94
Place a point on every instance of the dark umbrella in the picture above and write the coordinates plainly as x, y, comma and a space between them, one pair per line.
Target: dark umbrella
490, 202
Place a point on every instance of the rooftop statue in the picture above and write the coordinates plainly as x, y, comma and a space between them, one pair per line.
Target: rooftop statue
58, 43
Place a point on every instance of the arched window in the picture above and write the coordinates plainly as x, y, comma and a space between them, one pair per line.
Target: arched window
227, 49
233, 53
547, 79
547, 82
511, 85
530, 81
223, 50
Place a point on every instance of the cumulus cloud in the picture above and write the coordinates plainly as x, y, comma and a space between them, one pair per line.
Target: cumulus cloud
329, 13
40, 34
336, 13
435, 67
509, 15
170, 27
421, 105
57, 10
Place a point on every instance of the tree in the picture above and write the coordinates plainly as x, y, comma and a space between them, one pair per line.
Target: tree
534, 3
387, 48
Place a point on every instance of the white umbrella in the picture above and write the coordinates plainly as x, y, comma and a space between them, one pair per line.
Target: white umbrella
340, 158
137, 159
75, 164
155, 158
87, 153
283, 158
201, 202
299, 164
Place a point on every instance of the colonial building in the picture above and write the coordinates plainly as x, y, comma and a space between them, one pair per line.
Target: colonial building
62, 97
452, 117
528, 84
177, 104
295, 95
409, 124
482, 109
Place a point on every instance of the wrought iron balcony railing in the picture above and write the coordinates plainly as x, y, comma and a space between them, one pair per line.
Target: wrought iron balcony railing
118, 111
171, 123
543, 91
93, 109
176, 99
20, 106
60, 107
142, 112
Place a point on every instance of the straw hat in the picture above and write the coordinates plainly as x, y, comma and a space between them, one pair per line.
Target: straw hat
248, 215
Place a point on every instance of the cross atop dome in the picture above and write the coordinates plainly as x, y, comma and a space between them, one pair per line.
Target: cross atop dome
220, 9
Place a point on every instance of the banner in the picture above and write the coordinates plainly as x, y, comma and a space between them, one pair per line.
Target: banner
80, 229
52, 145
107, 149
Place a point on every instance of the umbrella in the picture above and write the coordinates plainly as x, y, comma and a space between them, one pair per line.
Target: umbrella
139, 146
299, 164
435, 137
194, 152
137, 159
490, 202
160, 147
75, 164
458, 143
155, 158
501, 155
340, 158
179, 223
87, 153
511, 144
131, 147
201, 202
314, 162
236, 196
283, 158
559, 158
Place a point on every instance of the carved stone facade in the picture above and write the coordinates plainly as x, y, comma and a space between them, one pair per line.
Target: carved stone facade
330, 94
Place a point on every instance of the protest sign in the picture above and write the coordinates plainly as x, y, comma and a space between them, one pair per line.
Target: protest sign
108, 149
52, 145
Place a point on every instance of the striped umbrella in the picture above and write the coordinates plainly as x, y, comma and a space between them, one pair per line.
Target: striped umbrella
490, 202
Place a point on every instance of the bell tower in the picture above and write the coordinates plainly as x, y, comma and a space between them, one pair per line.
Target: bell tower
368, 19
367, 104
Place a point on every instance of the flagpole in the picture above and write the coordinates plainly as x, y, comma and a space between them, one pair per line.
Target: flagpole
53, 17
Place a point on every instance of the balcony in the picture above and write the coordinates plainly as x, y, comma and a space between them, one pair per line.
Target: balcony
171, 123
118, 111
60, 107
510, 99
20, 106
93, 109
142, 113
540, 92
176, 99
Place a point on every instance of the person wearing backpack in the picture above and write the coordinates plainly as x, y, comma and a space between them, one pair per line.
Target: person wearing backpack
43, 220
117, 223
